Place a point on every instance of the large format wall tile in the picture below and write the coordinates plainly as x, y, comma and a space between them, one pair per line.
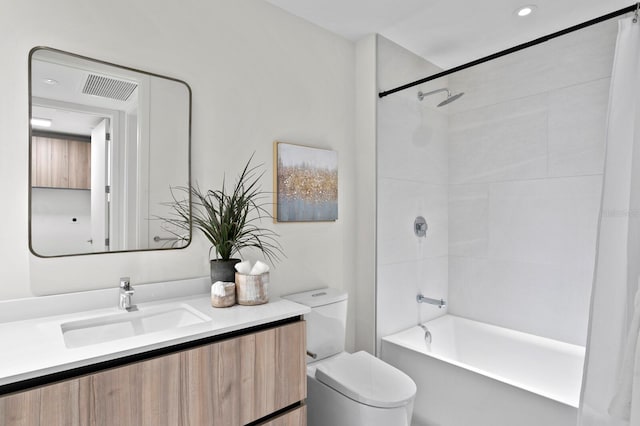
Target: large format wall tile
577, 125
580, 57
501, 142
412, 141
398, 285
468, 220
519, 196
525, 168
397, 65
548, 221
412, 180
550, 300
399, 203
531, 269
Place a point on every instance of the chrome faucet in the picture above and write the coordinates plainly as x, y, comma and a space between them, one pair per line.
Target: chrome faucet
126, 293
439, 303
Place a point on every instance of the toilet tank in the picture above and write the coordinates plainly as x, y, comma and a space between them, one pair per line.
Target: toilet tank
327, 321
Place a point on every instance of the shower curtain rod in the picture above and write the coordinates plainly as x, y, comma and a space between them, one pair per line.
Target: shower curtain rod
632, 8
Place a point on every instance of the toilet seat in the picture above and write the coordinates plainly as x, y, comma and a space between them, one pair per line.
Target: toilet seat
366, 379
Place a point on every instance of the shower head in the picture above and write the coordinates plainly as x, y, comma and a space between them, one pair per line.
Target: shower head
450, 97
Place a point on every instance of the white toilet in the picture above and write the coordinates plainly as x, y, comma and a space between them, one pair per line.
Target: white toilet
346, 389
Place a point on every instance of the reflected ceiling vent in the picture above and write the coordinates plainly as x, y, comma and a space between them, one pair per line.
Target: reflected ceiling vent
108, 87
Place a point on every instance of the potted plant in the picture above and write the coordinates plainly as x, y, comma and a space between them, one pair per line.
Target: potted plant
228, 219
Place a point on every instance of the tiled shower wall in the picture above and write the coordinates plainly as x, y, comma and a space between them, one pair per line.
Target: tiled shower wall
412, 181
526, 155
509, 180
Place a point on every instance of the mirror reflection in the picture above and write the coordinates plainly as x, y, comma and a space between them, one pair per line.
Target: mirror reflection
107, 145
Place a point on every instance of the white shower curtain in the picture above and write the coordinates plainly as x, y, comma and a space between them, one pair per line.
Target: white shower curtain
611, 384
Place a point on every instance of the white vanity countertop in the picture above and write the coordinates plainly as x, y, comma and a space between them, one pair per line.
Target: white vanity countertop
34, 346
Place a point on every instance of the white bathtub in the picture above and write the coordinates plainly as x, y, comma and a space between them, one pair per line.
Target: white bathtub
476, 374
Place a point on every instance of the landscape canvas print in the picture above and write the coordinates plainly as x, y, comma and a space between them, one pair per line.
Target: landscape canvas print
306, 183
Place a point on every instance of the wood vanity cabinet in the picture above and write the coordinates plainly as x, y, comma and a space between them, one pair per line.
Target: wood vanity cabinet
237, 381
60, 163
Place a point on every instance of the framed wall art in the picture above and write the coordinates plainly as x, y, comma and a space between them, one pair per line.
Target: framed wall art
305, 182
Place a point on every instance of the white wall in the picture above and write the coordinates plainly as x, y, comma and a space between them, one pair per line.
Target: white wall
257, 75
366, 101
526, 147
61, 221
412, 180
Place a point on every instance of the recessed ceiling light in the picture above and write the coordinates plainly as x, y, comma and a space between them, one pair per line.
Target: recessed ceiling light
41, 122
50, 81
525, 10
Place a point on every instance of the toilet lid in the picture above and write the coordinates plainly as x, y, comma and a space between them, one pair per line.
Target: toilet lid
366, 379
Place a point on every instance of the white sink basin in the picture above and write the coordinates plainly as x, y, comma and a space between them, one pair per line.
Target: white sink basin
126, 324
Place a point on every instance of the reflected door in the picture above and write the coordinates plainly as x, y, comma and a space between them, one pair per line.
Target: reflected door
100, 187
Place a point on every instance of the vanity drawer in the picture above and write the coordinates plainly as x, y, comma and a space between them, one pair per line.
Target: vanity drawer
256, 375
227, 383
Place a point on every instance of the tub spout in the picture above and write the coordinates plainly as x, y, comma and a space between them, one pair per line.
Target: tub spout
440, 303
427, 334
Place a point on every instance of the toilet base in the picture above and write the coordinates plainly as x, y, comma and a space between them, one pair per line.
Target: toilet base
328, 407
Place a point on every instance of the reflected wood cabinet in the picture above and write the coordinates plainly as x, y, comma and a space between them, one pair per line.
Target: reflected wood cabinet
60, 163
237, 381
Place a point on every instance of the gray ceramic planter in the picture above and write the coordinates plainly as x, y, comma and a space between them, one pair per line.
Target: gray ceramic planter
223, 270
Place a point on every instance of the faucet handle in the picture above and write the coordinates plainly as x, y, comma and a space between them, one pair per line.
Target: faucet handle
125, 283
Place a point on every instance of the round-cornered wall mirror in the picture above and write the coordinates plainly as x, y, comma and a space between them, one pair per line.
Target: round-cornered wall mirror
108, 145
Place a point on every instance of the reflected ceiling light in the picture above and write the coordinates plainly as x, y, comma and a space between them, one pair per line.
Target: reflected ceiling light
50, 81
41, 122
525, 10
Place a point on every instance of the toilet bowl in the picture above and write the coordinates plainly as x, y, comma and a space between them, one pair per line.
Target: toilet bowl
348, 389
